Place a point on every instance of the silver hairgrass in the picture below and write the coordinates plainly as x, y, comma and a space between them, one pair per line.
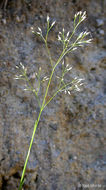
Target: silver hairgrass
63, 86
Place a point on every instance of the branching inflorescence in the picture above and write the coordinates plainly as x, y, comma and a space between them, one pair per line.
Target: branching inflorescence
63, 85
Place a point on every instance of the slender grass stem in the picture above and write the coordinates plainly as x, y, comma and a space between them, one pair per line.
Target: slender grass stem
50, 58
30, 146
58, 61
65, 85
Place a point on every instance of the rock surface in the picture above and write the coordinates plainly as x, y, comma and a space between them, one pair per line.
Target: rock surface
69, 150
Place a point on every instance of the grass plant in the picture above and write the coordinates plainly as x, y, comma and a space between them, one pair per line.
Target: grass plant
65, 86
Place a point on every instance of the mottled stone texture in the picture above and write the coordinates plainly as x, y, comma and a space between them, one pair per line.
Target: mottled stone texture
68, 151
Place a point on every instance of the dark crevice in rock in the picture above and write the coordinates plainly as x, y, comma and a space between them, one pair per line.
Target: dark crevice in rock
36, 180
16, 175
2, 160
93, 69
4, 184
73, 1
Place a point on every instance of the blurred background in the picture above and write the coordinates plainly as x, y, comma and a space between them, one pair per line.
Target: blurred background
69, 147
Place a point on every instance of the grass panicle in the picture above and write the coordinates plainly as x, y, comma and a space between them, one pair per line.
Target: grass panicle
63, 86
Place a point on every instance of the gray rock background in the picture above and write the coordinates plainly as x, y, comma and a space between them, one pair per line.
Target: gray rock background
69, 147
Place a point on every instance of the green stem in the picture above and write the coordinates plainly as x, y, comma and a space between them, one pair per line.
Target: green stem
49, 54
58, 61
65, 85
50, 58
30, 146
71, 35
